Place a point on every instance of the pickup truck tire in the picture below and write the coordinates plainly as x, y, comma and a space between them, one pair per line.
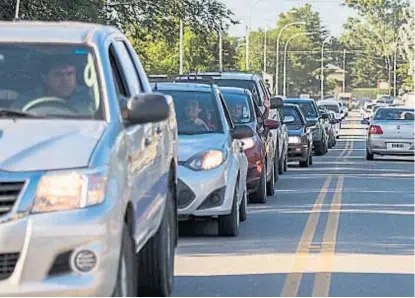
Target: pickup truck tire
156, 259
311, 158
260, 195
305, 163
285, 163
126, 284
276, 166
369, 156
243, 208
228, 225
320, 150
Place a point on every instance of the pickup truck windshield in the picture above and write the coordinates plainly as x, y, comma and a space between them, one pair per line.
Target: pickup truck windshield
196, 112
54, 81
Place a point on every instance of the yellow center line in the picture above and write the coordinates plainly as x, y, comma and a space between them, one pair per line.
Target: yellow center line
323, 277
350, 149
293, 279
346, 147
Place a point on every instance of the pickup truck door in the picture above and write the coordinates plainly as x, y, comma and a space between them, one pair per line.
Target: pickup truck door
142, 144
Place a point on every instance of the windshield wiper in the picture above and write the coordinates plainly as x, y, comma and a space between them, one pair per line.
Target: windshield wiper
5, 113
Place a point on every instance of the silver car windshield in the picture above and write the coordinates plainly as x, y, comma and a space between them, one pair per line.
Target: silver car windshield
395, 114
48, 80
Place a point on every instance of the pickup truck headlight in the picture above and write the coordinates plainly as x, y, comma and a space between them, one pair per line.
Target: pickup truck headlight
69, 190
294, 140
206, 160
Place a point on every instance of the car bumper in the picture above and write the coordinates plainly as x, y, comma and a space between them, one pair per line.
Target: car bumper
205, 193
47, 244
379, 146
297, 152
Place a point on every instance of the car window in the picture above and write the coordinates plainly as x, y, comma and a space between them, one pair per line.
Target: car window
332, 107
245, 84
128, 68
228, 115
196, 112
291, 111
307, 108
35, 73
394, 114
239, 107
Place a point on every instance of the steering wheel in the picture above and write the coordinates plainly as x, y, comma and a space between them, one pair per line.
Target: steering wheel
41, 100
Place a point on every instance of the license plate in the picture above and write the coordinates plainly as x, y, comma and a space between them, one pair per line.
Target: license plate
398, 146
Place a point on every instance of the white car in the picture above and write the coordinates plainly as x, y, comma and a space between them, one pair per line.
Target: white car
212, 164
332, 105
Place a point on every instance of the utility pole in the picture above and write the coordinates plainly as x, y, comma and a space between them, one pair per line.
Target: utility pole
344, 70
220, 52
16, 13
322, 68
265, 52
247, 49
181, 48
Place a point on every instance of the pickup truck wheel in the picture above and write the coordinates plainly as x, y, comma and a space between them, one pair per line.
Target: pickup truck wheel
229, 224
369, 156
243, 208
281, 164
285, 163
260, 195
311, 158
320, 150
271, 183
126, 285
276, 166
156, 259
305, 163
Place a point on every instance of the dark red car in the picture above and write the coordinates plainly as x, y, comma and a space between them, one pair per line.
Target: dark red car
260, 177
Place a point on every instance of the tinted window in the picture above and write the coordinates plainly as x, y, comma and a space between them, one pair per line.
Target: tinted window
395, 114
196, 112
245, 84
128, 68
239, 107
290, 111
308, 109
334, 108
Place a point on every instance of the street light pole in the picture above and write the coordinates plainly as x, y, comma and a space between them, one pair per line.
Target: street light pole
265, 52
322, 68
220, 52
181, 49
277, 70
285, 59
344, 70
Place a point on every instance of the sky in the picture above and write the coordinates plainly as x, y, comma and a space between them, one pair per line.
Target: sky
265, 12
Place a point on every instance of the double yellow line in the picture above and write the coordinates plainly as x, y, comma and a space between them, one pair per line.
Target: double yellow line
323, 275
348, 149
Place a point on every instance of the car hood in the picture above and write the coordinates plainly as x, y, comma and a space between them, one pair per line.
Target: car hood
40, 145
295, 130
189, 145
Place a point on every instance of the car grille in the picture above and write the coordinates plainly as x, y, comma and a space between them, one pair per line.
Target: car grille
7, 264
9, 191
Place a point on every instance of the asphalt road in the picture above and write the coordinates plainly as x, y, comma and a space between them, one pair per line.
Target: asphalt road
343, 227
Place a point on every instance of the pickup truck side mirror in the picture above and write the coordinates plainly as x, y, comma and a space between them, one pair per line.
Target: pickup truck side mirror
277, 102
145, 108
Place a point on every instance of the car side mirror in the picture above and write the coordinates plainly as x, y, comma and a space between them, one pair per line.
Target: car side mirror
325, 115
277, 102
271, 124
242, 132
146, 108
365, 122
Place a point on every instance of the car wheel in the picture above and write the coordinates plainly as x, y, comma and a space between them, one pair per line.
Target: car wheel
271, 183
228, 225
260, 195
126, 284
320, 149
276, 166
243, 208
369, 156
155, 261
305, 163
311, 158
286, 163
281, 164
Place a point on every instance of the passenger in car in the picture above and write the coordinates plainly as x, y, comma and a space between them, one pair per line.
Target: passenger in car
191, 120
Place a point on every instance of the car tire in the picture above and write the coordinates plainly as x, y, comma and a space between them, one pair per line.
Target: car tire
305, 163
271, 183
286, 163
311, 158
228, 225
126, 283
156, 260
260, 195
369, 156
320, 149
243, 208
276, 166
281, 164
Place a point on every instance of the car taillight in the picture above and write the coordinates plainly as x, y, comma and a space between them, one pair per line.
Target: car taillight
375, 130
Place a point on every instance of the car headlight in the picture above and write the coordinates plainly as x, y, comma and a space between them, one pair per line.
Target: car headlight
294, 140
70, 190
206, 160
248, 143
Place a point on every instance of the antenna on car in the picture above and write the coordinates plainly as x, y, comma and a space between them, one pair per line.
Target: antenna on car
16, 14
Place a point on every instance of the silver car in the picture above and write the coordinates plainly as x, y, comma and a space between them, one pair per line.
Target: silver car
391, 132
212, 164
88, 166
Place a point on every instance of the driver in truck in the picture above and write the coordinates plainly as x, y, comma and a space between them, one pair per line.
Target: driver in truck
59, 78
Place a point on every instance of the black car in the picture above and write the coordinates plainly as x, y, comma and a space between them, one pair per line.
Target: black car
300, 140
314, 121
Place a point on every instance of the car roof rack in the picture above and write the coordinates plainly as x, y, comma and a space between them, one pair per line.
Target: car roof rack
194, 77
